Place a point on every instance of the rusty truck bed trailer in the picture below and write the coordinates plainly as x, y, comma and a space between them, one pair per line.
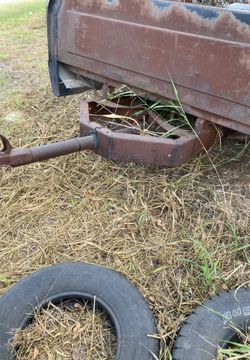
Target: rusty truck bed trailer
151, 44
157, 48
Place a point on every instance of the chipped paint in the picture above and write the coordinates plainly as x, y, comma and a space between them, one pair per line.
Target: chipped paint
245, 62
148, 43
177, 16
112, 2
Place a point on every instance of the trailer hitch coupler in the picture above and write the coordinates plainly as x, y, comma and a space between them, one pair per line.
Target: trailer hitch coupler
17, 157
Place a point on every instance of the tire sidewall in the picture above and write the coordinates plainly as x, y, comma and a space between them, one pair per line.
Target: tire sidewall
213, 325
124, 304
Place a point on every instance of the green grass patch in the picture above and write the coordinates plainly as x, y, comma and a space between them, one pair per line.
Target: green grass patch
4, 281
3, 56
4, 81
20, 13
23, 47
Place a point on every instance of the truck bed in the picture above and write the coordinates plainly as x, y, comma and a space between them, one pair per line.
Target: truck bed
149, 45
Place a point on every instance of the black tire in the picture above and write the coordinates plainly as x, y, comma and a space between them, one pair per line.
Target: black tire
212, 325
126, 307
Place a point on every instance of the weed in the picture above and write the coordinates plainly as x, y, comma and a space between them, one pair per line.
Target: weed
143, 217
239, 349
4, 281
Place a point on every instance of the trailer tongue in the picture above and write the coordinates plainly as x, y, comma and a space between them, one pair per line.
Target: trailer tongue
157, 48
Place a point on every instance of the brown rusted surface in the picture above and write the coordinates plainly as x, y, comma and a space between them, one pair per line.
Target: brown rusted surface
122, 143
103, 130
17, 157
158, 48
151, 44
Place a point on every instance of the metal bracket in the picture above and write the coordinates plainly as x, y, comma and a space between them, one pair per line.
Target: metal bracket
125, 143
7, 147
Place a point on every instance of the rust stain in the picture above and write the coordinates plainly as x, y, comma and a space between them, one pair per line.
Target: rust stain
225, 24
245, 62
175, 16
232, 26
142, 43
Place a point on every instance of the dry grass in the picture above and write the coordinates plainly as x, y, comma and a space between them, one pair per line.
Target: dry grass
70, 330
179, 235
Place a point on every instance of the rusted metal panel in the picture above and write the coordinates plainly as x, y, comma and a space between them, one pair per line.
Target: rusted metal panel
155, 47
151, 44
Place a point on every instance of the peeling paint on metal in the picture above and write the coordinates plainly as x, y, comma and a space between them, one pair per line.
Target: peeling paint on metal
112, 2
148, 43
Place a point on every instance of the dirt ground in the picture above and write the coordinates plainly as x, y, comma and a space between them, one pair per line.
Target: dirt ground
180, 235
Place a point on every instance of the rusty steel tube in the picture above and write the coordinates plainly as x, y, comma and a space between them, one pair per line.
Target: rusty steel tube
18, 157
